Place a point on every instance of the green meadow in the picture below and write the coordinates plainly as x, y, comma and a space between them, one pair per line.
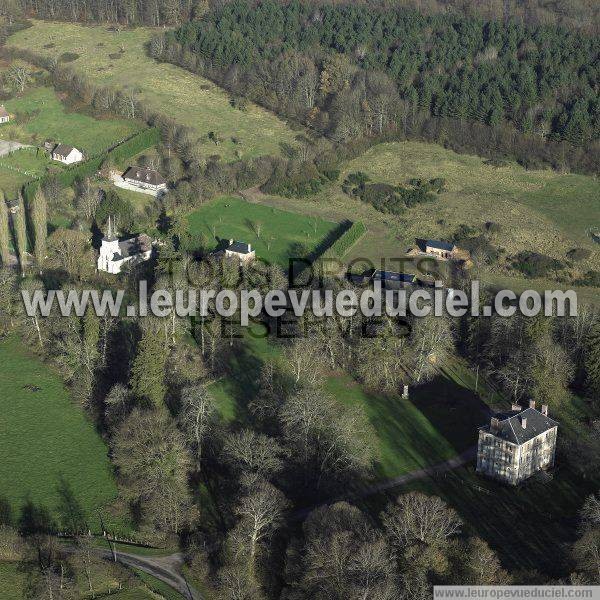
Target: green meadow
44, 116
275, 234
49, 449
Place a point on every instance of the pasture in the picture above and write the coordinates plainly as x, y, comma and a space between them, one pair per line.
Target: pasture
41, 115
49, 450
118, 58
275, 234
541, 211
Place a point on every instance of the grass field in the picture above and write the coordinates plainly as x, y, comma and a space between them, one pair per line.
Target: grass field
11, 581
187, 98
283, 234
47, 443
49, 118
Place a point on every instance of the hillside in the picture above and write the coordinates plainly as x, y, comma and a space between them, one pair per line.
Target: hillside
118, 58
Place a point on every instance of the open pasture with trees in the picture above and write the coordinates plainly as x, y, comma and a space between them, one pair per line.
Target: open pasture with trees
40, 115
51, 455
276, 235
438, 420
117, 57
515, 209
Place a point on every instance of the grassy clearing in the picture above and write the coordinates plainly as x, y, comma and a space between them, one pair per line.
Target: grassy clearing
47, 442
282, 234
537, 210
541, 211
187, 98
49, 118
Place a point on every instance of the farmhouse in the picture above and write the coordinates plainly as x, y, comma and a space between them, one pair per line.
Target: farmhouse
4, 116
66, 154
237, 250
145, 178
393, 281
115, 253
440, 249
516, 444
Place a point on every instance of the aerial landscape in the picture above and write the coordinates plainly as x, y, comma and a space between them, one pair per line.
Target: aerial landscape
299, 300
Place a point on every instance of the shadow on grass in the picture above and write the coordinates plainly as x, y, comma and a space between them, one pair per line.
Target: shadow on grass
454, 411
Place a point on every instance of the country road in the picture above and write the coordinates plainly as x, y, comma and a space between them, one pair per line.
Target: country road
448, 465
165, 568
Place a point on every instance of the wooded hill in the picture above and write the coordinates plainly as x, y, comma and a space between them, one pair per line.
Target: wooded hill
350, 71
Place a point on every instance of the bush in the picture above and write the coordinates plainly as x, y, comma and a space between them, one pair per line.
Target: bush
533, 264
577, 254
66, 57
591, 279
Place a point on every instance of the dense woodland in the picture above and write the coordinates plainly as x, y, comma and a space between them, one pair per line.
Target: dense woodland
351, 71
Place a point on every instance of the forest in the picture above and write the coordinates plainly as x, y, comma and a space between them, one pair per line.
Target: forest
350, 71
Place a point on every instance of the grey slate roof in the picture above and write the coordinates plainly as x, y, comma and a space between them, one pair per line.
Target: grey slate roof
440, 245
133, 246
239, 247
393, 276
62, 149
144, 175
510, 426
3, 111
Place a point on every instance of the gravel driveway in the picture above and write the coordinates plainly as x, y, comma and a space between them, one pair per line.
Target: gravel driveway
8, 147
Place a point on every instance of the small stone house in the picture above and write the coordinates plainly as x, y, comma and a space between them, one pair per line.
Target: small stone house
440, 249
146, 178
240, 250
4, 116
516, 444
66, 154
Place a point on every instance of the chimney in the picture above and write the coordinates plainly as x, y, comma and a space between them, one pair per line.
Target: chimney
532, 404
516, 407
545, 409
524, 422
494, 423
249, 248
231, 242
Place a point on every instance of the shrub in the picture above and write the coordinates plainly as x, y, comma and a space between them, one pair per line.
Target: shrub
591, 278
533, 264
66, 57
577, 254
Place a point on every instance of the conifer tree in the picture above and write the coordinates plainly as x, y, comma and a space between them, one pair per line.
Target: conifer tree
21, 232
4, 232
39, 219
148, 370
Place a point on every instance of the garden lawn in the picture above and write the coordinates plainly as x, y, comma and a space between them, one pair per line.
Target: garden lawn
49, 118
283, 234
47, 443
187, 98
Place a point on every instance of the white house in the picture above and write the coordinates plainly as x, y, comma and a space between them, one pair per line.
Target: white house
240, 250
4, 116
115, 253
66, 154
145, 178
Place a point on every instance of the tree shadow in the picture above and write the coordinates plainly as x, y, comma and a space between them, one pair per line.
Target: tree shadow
71, 514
